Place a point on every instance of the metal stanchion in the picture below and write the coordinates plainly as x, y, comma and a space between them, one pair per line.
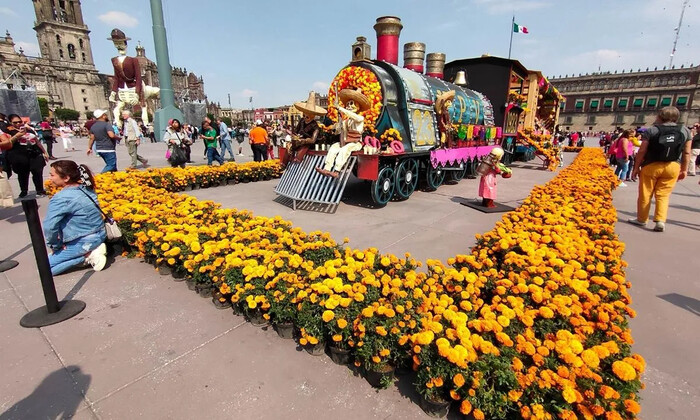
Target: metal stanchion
54, 311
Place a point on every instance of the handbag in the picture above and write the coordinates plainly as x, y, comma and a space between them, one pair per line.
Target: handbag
177, 155
6, 195
111, 227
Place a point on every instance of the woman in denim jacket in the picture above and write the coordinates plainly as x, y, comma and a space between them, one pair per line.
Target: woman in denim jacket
73, 227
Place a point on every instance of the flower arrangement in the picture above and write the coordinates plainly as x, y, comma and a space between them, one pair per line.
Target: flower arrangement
572, 149
532, 323
516, 98
543, 145
390, 135
353, 78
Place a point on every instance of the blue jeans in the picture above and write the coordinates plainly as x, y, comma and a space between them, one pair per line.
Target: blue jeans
110, 161
213, 155
226, 145
623, 165
74, 252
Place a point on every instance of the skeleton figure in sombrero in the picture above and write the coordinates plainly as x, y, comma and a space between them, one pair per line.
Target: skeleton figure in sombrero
350, 127
306, 132
128, 88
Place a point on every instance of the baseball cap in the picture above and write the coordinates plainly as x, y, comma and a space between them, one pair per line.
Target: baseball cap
99, 112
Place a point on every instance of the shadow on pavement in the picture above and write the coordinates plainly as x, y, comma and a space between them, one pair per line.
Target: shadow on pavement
79, 285
13, 214
51, 399
691, 305
24, 248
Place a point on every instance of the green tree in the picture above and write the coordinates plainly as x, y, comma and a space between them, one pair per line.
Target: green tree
227, 121
66, 114
211, 116
89, 115
43, 107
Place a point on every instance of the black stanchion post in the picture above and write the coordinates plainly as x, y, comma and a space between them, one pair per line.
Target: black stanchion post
54, 311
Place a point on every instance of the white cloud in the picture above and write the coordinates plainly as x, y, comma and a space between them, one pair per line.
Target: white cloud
117, 18
247, 93
495, 7
29, 48
7, 11
320, 87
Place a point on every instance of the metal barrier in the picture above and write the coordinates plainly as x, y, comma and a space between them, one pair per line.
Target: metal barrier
310, 190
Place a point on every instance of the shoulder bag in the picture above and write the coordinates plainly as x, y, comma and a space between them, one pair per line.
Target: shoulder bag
111, 227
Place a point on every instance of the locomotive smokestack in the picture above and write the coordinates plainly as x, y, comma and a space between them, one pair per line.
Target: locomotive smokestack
414, 56
436, 65
388, 29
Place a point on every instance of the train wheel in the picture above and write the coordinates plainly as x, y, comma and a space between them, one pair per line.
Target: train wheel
434, 177
383, 187
406, 178
457, 176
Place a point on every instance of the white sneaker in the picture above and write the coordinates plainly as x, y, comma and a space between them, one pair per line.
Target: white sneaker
98, 257
622, 184
660, 227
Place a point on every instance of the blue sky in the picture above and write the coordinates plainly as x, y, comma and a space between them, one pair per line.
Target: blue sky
276, 51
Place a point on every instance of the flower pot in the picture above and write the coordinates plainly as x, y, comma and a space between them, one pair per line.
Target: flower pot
285, 330
339, 356
236, 308
256, 318
437, 408
164, 269
194, 186
218, 304
191, 284
316, 349
179, 274
204, 290
377, 378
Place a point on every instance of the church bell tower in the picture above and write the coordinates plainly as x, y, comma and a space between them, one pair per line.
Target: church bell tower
62, 33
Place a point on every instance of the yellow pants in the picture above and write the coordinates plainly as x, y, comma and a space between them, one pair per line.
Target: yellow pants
656, 179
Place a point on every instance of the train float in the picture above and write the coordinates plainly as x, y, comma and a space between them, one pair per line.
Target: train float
406, 141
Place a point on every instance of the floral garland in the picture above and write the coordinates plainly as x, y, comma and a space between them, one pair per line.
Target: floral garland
353, 78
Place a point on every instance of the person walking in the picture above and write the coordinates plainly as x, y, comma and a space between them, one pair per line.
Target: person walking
66, 133
240, 137
622, 155
694, 151
225, 140
26, 155
132, 134
662, 159
258, 141
103, 137
210, 143
73, 227
47, 133
175, 137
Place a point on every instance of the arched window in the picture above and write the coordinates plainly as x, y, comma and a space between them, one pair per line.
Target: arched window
80, 42
84, 60
58, 39
71, 51
60, 53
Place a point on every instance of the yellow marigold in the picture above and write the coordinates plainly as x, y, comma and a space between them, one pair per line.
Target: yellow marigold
514, 395
632, 406
337, 337
328, 316
478, 414
384, 352
569, 395
342, 323
458, 379
381, 331
466, 407
590, 358
385, 261
624, 371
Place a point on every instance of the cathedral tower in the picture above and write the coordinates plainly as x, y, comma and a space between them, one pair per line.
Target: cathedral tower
62, 33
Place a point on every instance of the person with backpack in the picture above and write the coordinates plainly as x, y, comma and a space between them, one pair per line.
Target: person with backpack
662, 160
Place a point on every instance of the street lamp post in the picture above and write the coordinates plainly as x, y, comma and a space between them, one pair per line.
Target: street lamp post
165, 77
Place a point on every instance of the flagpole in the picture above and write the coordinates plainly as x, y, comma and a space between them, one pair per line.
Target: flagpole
512, 28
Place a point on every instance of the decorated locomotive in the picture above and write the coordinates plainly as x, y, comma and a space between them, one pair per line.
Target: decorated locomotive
415, 127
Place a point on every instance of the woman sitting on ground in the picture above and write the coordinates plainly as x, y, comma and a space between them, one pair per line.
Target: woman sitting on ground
74, 227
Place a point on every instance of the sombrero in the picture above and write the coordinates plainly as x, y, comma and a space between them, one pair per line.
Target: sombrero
118, 35
356, 96
442, 98
309, 107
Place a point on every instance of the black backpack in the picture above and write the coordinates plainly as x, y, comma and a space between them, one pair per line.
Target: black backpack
667, 145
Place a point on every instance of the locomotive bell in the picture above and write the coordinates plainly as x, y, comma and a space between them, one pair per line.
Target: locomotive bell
461, 79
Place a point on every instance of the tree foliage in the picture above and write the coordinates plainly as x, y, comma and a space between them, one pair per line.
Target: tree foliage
43, 107
66, 114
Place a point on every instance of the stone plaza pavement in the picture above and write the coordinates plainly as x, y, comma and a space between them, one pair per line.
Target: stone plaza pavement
146, 347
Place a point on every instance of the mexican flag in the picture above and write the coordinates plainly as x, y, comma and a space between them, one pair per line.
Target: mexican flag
519, 29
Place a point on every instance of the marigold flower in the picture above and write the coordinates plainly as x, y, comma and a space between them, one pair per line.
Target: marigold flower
624, 371
465, 407
328, 315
